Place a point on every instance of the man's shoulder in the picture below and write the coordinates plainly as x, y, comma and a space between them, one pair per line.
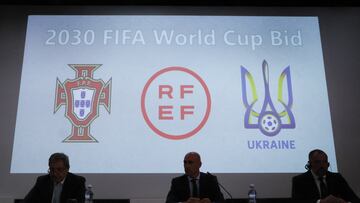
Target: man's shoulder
75, 177
43, 178
182, 177
208, 176
302, 176
203, 176
329, 173
334, 175
179, 180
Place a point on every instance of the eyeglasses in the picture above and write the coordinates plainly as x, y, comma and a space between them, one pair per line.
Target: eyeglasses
320, 161
188, 162
58, 169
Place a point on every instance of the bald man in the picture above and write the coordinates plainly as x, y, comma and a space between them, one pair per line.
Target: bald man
194, 186
318, 185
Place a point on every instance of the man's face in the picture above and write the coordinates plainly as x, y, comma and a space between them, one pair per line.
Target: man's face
192, 165
319, 164
58, 171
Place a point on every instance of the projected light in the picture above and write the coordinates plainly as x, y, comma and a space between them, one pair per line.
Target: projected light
245, 88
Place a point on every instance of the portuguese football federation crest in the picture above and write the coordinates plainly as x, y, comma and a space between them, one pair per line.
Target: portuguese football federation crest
82, 97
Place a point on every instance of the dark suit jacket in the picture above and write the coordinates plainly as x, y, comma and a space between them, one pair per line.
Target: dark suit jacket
208, 185
73, 188
304, 187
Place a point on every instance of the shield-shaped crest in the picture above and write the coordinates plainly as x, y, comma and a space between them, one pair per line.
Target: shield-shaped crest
82, 97
82, 102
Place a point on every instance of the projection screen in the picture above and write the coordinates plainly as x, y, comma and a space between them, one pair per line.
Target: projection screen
127, 90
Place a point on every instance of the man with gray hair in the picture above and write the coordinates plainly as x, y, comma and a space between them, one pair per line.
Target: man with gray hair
59, 185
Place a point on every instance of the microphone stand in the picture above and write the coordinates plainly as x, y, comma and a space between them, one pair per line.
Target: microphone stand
227, 192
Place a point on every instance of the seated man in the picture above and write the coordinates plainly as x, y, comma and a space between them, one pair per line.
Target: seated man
59, 186
194, 186
319, 185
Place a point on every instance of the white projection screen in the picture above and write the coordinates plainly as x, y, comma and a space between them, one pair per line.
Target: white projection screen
126, 92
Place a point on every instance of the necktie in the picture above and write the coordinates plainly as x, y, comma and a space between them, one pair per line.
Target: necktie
195, 192
323, 188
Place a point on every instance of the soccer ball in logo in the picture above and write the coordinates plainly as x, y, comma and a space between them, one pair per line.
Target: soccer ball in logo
269, 124
269, 120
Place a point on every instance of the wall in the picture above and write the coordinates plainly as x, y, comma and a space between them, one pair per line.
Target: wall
340, 31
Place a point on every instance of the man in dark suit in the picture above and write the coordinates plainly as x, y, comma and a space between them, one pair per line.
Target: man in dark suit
194, 186
319, 185
59, 186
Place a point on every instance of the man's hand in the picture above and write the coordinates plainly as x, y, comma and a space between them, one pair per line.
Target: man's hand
205, 200
332, 199
193, 200
198, 200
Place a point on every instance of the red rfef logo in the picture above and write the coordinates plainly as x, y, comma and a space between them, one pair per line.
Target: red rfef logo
82, 97
176, 103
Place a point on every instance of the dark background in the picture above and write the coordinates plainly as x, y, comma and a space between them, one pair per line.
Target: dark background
187, 2
339, 23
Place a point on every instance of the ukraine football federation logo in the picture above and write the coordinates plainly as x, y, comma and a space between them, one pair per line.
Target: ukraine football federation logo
82, 97
269, 120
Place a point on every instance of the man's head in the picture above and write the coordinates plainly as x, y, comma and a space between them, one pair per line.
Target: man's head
192, 164
318, 162
58, 166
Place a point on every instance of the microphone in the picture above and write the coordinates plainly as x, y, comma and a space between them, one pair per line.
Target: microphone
221, 186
